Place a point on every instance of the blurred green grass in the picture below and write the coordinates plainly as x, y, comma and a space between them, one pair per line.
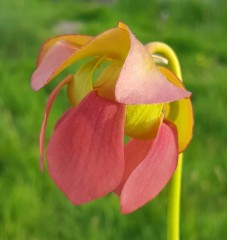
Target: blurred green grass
31, 207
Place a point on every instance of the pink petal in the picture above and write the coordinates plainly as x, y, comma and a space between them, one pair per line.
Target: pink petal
85, 154
49, 104
141, 82
149, 167
63, 117
57, 54
135, 152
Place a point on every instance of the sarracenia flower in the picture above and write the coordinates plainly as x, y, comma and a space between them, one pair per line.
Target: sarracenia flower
132, 96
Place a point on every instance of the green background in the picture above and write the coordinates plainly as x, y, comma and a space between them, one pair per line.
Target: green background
31, 206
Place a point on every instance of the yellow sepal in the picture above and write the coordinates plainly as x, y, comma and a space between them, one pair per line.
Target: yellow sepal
81, 84
180, 113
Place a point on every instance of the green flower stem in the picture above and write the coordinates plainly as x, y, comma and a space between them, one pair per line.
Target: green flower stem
173, 218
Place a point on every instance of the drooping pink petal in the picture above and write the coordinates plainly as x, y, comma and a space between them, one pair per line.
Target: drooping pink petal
135, 152
141, 82
63, 117
85, 155
149, 166
49, 104
58, 54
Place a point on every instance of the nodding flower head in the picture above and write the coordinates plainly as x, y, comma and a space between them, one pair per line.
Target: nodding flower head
132, 95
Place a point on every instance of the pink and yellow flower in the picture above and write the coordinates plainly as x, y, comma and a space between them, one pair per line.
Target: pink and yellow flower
132, 96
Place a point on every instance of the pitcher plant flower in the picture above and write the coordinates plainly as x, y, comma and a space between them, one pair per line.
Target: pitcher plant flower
121, 89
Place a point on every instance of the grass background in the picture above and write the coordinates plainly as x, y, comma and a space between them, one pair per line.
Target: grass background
31, 206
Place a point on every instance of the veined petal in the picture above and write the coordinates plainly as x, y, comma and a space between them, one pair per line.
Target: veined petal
149, 167
76, 40
140, 81
180, 113
113, 44
143, 121
85, 154
49, 104
135, 152
82, 81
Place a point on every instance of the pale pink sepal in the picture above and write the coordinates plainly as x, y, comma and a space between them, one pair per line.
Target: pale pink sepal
141, 82
85, 155
49, 104
56, 56
151, 168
